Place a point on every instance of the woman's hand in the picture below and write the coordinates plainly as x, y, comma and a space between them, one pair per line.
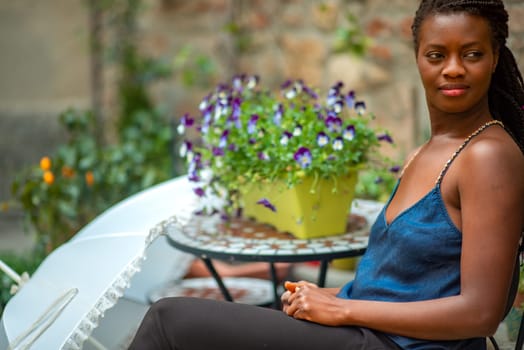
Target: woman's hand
306, 301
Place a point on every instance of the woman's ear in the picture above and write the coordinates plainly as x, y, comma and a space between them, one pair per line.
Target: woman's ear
495, 61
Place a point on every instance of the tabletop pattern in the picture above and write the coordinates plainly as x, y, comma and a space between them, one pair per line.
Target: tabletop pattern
246, 237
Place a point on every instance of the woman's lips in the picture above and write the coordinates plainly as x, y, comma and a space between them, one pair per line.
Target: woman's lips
453, 90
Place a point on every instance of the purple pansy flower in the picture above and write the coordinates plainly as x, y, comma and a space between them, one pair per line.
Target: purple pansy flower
322, 139
185, 148
334, 124
350, 99
252, 81
335, 89
237, 82
194, 165
299, 85
394, 169
199, 191
303, 157
279, 112
385, 137
286, 136
337, 106
338, 144
310, 92
235, 112
334, 93
286, 84
223, 139
263, 156
204, 104
218, 152
219, 111
291, 93
197, 157
298, 130
349, 133
206, 120
360, 107
193, 176
266, 203
252, 124
185, 122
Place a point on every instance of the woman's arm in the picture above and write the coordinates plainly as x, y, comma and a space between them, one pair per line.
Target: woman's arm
491, 205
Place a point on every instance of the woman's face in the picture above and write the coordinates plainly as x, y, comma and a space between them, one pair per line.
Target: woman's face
456, 59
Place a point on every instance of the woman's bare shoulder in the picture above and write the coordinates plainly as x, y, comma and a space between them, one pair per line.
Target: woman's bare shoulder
495, 148
494, 157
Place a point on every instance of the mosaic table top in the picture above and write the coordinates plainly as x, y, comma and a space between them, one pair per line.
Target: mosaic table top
247, 240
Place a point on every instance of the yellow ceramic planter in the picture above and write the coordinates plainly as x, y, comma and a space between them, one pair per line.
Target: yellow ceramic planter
345, 263
308, 209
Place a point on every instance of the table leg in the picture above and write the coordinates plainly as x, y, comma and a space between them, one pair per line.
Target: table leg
322, 273
218, 279
274, 278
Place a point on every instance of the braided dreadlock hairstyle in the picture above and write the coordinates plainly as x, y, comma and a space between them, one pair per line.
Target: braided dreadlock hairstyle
506, 92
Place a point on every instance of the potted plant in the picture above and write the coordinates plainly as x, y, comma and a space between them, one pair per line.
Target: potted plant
306, 148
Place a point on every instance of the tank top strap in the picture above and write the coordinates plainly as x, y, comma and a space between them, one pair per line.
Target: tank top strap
463, 145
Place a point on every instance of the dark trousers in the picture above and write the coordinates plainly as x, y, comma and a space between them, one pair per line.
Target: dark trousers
201, 324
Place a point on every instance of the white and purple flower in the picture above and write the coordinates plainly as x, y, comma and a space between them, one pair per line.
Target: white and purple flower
322, 139
303, 157
284, 139
338, 144
349, 133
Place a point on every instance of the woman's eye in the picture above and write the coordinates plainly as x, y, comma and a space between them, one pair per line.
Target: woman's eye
434, 55
473, 54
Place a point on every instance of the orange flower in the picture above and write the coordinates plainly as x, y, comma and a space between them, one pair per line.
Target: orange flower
67, 172
45, 163
49, 178
90, 178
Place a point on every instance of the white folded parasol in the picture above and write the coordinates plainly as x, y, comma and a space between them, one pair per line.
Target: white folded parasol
62, 303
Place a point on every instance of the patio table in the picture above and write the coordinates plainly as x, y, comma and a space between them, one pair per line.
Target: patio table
244, 240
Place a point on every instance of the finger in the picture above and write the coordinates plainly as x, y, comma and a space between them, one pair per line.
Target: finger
299, 313
290, 286
306, 283
293, 296
291, 309
285, 307
285, 297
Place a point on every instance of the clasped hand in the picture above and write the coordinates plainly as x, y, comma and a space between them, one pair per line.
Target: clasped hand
306, 301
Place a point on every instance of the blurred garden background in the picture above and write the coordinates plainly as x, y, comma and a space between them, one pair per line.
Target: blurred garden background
92, 91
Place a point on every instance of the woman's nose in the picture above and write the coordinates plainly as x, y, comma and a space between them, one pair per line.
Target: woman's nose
453, 67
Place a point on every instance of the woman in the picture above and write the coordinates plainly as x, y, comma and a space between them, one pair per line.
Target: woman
442, 252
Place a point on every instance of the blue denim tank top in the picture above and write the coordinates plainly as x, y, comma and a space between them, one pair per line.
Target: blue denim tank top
415, 257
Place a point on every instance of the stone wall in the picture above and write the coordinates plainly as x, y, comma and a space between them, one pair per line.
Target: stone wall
44, 61
43, 70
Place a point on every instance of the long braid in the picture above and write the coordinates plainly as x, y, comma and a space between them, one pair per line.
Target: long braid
506, 95
506, 92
